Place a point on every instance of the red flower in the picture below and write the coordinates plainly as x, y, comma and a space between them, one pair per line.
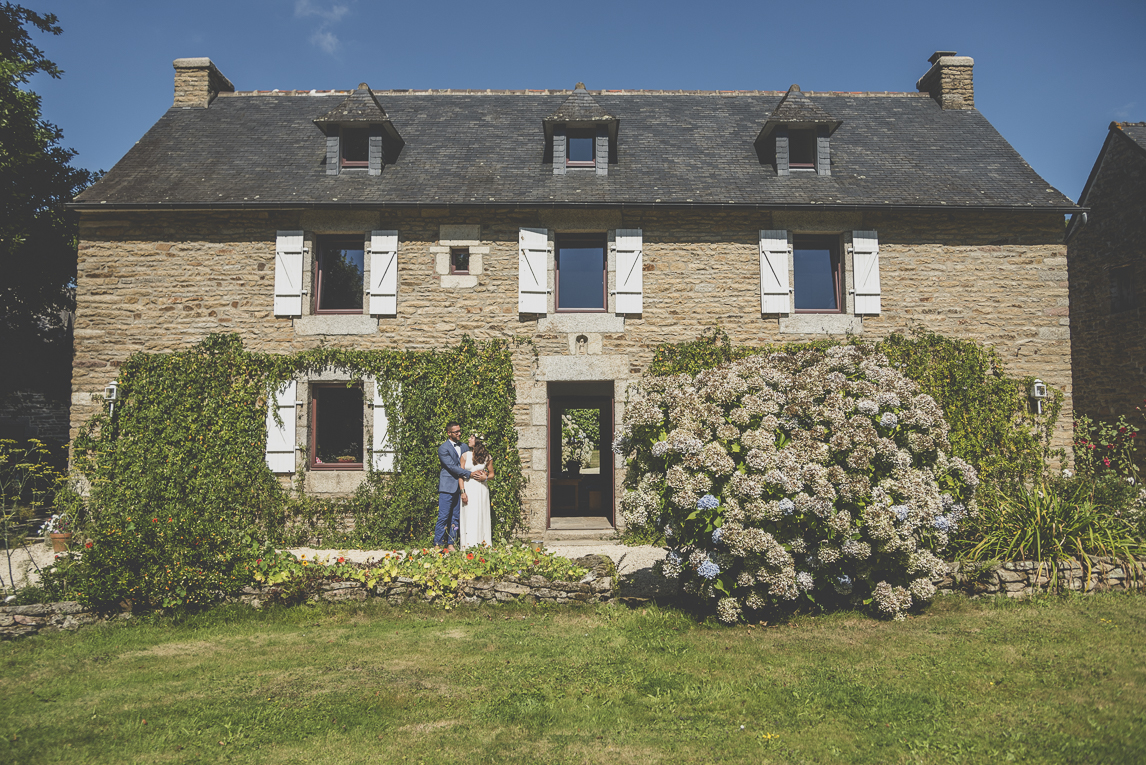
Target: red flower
469, 556
260, 560
88, 545
155, 520
482, 560
1106, 461
342, 560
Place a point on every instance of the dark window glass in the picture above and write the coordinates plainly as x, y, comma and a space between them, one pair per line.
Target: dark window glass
817, 274
1122, 293
581, 273
336, 426
340, 275
581, 148
355, 145
801, 149
460, 260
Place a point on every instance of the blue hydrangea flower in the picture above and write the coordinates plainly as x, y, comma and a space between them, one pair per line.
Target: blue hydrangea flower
708, 569
717, 535
942, 523
787, 506
900, 511
889, 420
673, 558
843, 584
707, 502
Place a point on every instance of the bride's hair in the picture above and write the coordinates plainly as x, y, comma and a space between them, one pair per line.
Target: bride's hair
481, 454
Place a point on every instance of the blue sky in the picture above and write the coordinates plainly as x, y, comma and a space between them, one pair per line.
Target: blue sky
1049, 75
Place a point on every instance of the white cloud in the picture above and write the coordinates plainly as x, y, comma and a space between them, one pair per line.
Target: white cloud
327, 15
1124, 112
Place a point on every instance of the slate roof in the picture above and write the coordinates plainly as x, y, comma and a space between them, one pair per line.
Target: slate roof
580, 107
797, 109
488, 148
359, 107
1135, 131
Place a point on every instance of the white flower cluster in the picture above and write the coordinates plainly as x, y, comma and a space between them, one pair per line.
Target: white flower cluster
824, 462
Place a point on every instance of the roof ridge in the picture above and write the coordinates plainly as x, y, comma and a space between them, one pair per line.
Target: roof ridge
553, 92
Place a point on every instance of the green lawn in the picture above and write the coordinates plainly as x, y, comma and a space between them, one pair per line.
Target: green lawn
1054, 680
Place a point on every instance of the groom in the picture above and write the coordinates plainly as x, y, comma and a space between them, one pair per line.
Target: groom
449, 494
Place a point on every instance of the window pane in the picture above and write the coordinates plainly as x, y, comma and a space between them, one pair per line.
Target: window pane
355, 145
581, 277
581, 149
338, 431
340, 277
801, 148
815, 280
460, 260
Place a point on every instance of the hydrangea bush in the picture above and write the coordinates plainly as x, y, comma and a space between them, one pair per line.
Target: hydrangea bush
820, 474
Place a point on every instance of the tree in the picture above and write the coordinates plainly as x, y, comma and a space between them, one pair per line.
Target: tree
37, 233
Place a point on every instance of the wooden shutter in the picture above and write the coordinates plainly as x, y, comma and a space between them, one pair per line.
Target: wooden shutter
281, 438
532, 270
384, 273
382, 450
865, 266
774, 291
630, 265
288, 273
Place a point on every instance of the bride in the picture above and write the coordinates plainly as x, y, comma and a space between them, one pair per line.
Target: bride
475, 518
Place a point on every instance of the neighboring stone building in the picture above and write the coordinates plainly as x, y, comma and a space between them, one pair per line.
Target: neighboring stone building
1106, 252
598, 224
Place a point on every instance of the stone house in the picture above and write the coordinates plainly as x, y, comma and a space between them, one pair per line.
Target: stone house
596, 223
1106, 256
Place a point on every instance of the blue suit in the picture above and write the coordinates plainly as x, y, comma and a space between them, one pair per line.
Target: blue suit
449, 495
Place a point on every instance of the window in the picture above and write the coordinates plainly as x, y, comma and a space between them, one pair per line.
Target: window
354, 146
459, 260
339, 272
817, 274
1122, 297
580, 267
336, 427
801, 150
581, 148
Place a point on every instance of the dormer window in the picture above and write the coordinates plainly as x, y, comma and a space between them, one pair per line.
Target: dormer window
581, 135
354, 146
359, 134
796, 137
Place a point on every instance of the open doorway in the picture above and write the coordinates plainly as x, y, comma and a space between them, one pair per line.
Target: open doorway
580, 455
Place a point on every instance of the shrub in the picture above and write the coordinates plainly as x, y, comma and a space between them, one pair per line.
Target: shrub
820, 474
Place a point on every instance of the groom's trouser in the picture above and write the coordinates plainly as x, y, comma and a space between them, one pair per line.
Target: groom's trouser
449, 518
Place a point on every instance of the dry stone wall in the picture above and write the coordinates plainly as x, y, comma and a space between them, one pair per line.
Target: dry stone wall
162, 281
1022, 579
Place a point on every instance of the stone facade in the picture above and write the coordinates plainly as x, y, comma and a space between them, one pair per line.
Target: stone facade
950, 81
198, 82
31, 414
1022, 579
162, 281
1107, 264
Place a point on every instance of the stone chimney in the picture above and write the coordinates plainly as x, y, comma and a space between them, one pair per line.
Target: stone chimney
197, 82
949, 80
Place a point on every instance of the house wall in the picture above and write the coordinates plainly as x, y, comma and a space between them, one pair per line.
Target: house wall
1110, 348
162, 281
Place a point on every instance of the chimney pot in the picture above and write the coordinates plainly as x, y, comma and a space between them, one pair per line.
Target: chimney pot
950, 80
198, 81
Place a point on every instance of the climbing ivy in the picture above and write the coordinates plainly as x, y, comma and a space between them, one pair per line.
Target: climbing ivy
182, 503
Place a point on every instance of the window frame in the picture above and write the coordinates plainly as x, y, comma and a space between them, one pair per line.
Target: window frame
831, 242
345, 163
562, 241
454, 271
792, 141
321, 243
589, 133
312, 436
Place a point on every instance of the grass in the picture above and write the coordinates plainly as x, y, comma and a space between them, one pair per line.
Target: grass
1047, 681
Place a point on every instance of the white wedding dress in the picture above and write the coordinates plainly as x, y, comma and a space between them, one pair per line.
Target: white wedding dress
475, 514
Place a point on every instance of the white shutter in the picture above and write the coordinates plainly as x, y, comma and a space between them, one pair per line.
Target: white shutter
384, 273
288, 273
381, 450
280, 438
774, 291
630, 263
865, 266
532, 270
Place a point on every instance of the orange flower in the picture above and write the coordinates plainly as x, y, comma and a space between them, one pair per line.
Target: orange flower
342, 560
469, 556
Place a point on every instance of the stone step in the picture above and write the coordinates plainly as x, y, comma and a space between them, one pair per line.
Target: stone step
586, 538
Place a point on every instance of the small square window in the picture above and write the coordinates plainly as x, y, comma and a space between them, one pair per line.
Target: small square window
581, 148
460, 260
336, 427
354, 145
802, 150
580, 266
817, 278
1122, 292
339, 272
